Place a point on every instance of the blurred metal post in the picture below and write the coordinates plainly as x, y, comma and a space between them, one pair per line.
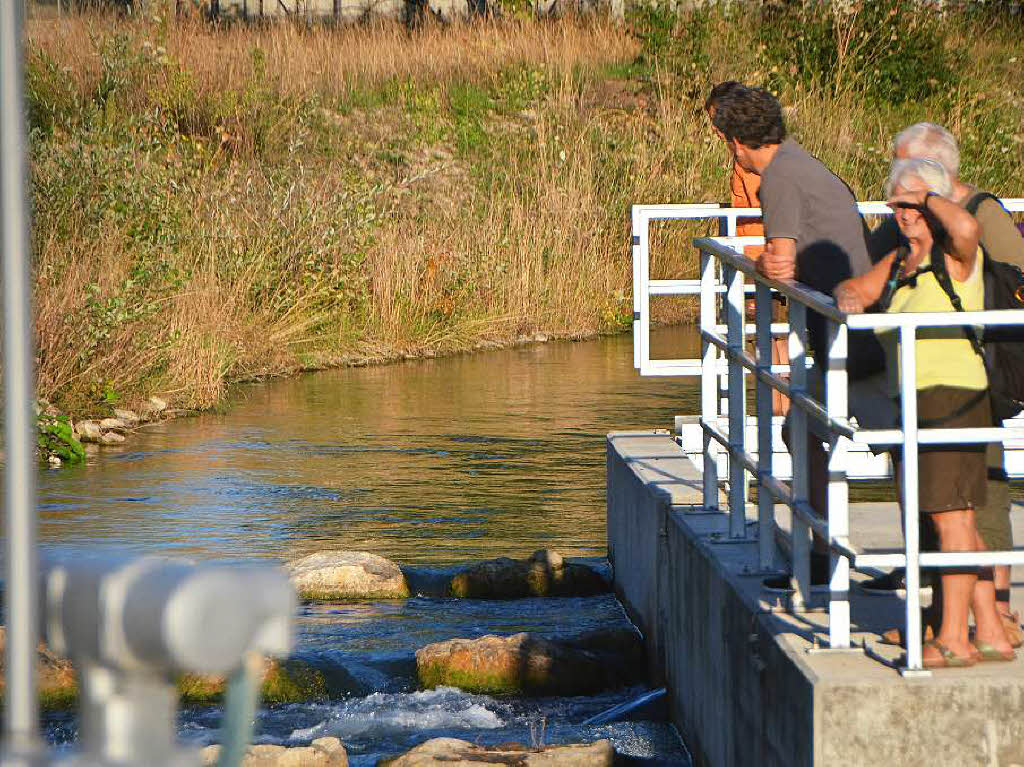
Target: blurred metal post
21, 717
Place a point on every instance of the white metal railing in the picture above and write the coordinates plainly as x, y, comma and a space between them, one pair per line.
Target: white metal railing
724, 425
833, 414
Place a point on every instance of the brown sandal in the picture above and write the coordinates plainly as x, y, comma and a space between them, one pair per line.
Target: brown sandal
1011, 625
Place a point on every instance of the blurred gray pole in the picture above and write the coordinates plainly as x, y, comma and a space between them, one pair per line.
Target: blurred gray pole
21, 717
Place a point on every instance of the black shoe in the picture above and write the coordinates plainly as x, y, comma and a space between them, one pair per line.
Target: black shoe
886, 585
820, 575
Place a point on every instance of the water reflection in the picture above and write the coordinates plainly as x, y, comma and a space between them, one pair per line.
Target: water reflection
434, 461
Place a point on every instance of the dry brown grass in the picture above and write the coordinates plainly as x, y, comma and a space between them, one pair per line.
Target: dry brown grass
334, 61
375, 193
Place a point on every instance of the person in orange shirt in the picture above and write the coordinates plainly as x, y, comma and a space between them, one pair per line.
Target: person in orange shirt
743, 188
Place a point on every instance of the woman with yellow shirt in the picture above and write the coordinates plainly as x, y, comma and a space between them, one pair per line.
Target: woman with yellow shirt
952, 392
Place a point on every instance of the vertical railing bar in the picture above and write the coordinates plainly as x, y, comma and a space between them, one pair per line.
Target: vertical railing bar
645, 292
837, 404
737, 404
799, 530
709, 377
21, 717
638, 234
908, 406
765, 501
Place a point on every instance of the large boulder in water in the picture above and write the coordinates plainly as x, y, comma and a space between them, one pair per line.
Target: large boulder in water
55, 676
451, 752
523, 665
283, 681
335, 575
544, 574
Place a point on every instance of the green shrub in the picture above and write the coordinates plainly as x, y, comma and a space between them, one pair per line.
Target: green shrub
55, 436
887, 50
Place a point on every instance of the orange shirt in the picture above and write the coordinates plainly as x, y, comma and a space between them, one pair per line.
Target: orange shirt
743, 188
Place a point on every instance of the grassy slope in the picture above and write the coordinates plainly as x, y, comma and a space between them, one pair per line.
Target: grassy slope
213, 205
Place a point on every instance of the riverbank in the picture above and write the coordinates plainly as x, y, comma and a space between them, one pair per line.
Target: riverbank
221, 205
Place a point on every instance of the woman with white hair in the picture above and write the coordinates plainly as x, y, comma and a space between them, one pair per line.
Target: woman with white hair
941, 242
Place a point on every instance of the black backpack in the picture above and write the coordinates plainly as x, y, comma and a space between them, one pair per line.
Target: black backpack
1002, 348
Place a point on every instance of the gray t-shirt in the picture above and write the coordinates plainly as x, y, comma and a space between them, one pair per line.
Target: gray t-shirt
803, 200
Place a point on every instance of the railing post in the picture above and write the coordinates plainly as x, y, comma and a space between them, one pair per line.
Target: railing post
737, 404
836, 404
709, 377
908, 410
639, 249
21, 717
642, 284
800, 544
765, 500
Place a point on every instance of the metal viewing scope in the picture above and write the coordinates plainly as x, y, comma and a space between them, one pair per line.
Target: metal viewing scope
131, 625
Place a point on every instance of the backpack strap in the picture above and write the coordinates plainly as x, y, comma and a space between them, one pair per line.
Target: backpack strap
976, 200
938, 267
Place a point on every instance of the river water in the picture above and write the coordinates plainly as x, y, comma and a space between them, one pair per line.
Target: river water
432, 463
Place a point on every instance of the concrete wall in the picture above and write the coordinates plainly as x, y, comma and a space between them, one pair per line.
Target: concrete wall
747, 687
725, 677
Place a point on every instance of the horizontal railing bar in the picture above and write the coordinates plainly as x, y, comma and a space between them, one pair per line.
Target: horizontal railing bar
745, 458
819, 302
941, 436
989, 318
807, 403
805, 511
705, 210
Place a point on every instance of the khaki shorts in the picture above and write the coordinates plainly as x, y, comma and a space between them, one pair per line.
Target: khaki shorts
950, 477
993, 518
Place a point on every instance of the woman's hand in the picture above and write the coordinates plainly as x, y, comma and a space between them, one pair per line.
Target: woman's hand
908, 198
848, 298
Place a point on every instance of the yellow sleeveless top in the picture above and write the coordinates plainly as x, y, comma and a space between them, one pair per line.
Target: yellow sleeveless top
945, 356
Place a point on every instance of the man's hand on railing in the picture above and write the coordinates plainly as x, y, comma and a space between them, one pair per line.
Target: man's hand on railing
778, 260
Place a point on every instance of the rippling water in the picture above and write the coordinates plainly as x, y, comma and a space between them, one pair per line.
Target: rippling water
431, 463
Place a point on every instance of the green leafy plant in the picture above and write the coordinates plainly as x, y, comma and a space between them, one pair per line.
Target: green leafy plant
57, 437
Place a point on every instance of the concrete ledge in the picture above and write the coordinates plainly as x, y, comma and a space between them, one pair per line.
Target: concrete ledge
747, 686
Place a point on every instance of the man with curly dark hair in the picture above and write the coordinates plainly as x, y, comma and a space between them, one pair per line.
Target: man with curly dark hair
813, 234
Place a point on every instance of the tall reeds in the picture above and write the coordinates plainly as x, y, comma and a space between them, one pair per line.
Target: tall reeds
220, 204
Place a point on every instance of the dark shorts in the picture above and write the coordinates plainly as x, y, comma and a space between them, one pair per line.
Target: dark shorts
993, 518
950, 477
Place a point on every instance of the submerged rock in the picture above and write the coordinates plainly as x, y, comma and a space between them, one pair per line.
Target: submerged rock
332, 575
322, 752
111, 438
452, 752
54, 676
284, 681
544, 574
525, 665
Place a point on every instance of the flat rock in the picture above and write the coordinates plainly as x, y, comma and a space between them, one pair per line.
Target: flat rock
111, 438
543, 574
333, 575
452, 752
114, 424
129, 417
88, 431
322, 752
522, 664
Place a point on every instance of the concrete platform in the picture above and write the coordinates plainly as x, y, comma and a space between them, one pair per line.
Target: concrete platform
748, 682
